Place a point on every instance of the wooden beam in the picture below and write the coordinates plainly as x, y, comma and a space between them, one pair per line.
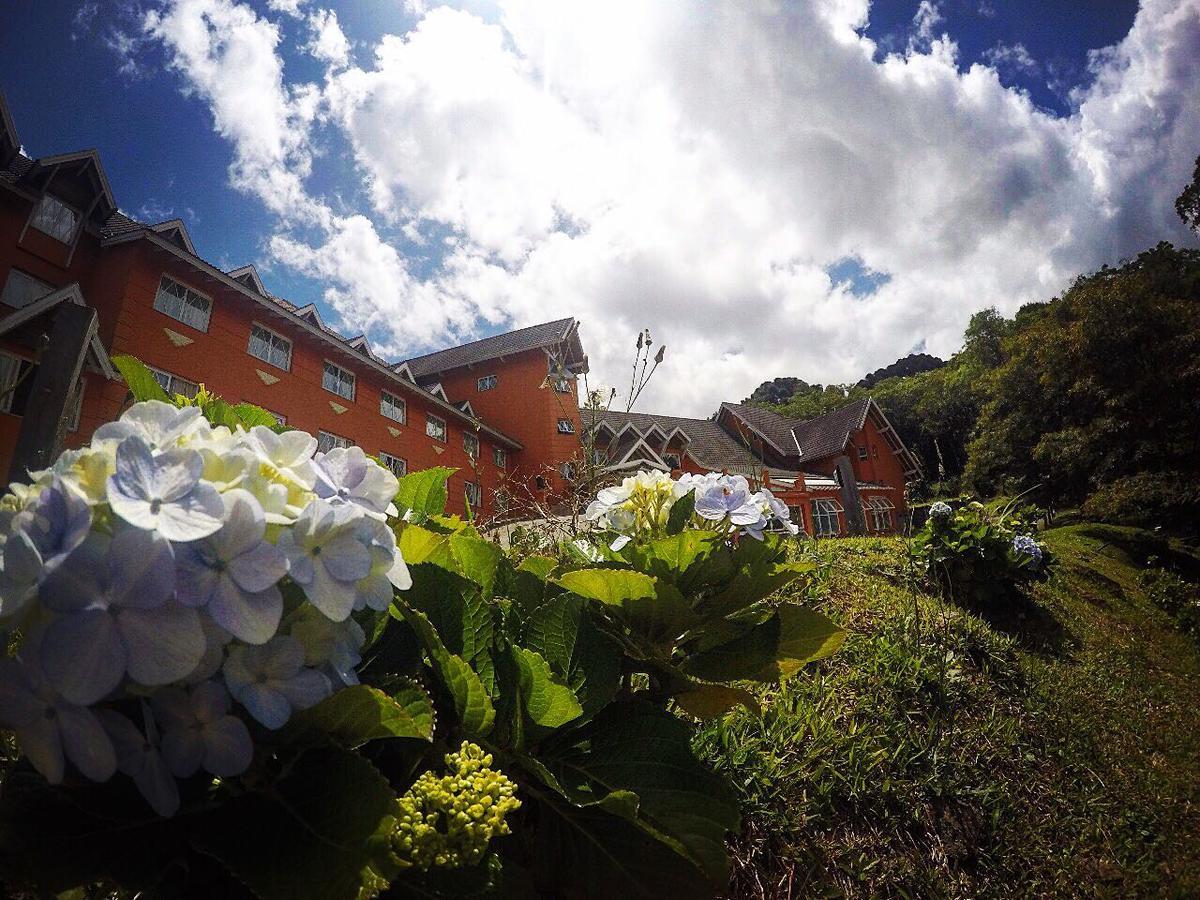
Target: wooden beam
856, 521
45, 421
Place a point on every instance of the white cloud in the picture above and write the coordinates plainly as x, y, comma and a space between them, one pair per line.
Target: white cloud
328, 42
695, 168
1013, 57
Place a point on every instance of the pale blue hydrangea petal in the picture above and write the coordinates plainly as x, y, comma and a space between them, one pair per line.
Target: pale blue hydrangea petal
163, 492
135, 473
258, 568
176, 473
193, 516
138, 756
41, 744
228, 749
266, 704
332, 597
346, 475
282, 658
374, 592
244, 526
398, 574
157, 423
165, 644
215, 639
86, 744
306, 688
209, 701
345, 557
195, 577
82, 580
253, 618
182, 750
141, 569
158, 785
300, 564
56, 523
83, 656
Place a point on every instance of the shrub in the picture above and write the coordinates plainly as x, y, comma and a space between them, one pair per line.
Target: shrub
978, 554
325, 687
1148, 500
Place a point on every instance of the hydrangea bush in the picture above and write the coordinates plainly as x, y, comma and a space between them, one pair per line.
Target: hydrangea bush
235, 664
980, 555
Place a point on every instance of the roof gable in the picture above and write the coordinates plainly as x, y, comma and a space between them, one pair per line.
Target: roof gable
10, 144
69, 294
561, 333
248, 275
176, 232
78, 179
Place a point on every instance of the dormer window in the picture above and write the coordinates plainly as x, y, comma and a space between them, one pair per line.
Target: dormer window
182, 303
486, 383
55, 218
338, 381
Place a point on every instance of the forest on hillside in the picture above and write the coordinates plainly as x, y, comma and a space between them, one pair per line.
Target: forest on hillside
1091, 398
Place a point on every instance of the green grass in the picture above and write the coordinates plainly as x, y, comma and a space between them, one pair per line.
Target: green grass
1048, 751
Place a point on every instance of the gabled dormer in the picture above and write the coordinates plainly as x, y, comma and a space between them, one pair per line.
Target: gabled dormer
466, 407
363, 346
176, 232
309, 314
248, 275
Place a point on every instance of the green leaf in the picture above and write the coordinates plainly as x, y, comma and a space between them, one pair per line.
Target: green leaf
681, 513
562, 631
357, 714
320, 832
142, 383
540, 566
775, 649
547, 701
477, 560
251, 415
471, 701
463, 620
708, 701
635, 746
419, 545
673, 556
612, 587
424, 492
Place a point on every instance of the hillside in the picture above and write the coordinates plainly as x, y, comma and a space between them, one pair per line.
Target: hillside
1049, 751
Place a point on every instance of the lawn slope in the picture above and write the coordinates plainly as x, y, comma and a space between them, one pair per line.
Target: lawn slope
1051, 750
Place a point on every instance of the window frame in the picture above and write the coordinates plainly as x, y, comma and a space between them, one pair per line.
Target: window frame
475, 504
430, 418
336, 438
171, 376
384, 458
564, 385
678, 460
13, 270
492, 381
78, 223
343, 370
468, 438
275, 334
880, 507
822, 509
397, 400
7, 390
863, 452
500, 457
183, 300
569, 426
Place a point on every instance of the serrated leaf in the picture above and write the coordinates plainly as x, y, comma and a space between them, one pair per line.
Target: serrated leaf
357, 714
477, 560
471, 701
251, 415
708, 701
563, 633
320, 832
141, 381
635, 746
681, 512
673, 556
612, 587
463, 620
775, 649
420, 545
547, 701
424, 492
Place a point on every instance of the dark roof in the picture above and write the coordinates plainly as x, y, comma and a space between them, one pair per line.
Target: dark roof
710, 444
775, 428
826, 435
534, 337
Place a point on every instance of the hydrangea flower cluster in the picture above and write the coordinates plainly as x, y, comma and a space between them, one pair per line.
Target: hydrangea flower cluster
641, 505
144, 575
1024, 545
449, 820
940, 510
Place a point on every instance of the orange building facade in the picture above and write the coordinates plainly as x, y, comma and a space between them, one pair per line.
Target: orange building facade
503, 412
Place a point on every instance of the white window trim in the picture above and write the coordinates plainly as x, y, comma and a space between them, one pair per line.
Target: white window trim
343, 369
188, 287
430, 418
67, 241
397, 400
821, 510
569, 429
173, 377
23, 274
476, 502
271, 331
494, 381
500, 457
384, 457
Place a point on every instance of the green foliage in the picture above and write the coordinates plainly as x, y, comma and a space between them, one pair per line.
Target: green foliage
972, 553
361, 713
423, 493
1149, 500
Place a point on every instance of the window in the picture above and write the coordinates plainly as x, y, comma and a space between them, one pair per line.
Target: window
76, 407
825, 518
880, 509
471, 444
393, 407
599, 456
270, 347
474, 495
182, 303
173, 384
566, 426
435, 428
55, 218
327, 441
338, 381
540, 483
797, 516
564, 385
567, 470
16, 381
21, 289
862, 452
486, 383
672, 460
500, 457
503, 499
398, 466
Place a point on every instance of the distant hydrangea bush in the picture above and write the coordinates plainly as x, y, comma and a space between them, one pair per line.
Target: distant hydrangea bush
1025, 545
642, 504
940, 510
173, 582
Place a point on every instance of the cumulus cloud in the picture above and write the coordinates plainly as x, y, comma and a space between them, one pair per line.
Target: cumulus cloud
328, 42
1012, 57
694, 168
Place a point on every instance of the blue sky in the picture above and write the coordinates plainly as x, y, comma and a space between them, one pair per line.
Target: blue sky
496, 166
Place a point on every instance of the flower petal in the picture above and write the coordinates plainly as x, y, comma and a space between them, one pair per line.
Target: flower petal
164, 644
176, 473
158, 786
250, 617
267, 705
134, 477
244, 525
195, 515
306, 688
86, 743
83, 656
142, 569
42, 746
228, 749
182, 750
259, 567
345, 557
81, 579
210, 701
